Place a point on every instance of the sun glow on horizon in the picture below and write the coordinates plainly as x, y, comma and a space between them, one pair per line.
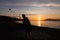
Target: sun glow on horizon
39, 24
39, 18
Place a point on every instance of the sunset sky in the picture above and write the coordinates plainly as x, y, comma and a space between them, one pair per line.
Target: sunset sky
39, 8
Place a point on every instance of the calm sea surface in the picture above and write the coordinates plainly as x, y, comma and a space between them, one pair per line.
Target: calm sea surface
52, 24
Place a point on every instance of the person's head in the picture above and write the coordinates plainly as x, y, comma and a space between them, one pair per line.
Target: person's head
23, 15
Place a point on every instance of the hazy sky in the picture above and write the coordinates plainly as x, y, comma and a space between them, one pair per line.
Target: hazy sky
45, 8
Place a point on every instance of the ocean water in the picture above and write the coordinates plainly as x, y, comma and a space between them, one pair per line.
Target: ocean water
51, 24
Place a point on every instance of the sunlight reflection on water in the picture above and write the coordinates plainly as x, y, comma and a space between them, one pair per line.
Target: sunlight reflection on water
52, 24
39, 24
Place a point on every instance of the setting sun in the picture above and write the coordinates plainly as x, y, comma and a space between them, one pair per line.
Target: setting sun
38, 18
39, 24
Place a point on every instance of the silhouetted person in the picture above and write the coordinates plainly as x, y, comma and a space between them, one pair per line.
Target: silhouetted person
25, 20
27, 24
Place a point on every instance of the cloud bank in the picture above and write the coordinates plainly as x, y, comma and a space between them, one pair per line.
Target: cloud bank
54, 3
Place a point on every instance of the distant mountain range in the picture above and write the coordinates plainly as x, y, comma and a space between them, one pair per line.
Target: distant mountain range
51, 20
47, 20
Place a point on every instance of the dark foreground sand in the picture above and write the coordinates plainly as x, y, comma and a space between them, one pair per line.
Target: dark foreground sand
10, 30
